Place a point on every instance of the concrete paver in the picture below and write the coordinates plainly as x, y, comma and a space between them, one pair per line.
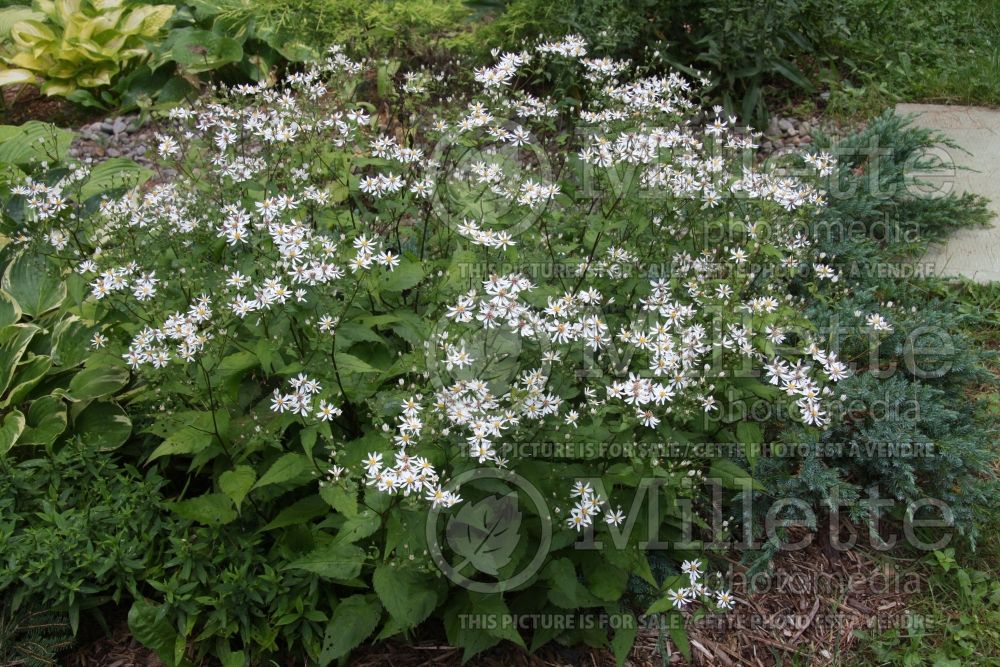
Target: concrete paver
973, 252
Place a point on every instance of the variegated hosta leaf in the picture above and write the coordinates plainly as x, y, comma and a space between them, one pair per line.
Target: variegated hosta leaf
76, 43
12, 76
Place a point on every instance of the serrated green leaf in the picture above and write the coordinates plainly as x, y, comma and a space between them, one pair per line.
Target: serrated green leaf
333, 561
211, 509
353, 621
342, 500
404, 592
286, 468
236, 483
408, 274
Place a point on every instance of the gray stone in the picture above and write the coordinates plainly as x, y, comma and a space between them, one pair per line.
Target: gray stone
972, 252
773, 128
786, 125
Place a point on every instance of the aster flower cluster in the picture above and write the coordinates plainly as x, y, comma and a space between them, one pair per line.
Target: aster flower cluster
300, 400
322, 201
408, 474
684, 596
588, 506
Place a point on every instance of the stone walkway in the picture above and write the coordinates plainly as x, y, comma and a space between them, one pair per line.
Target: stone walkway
975, 252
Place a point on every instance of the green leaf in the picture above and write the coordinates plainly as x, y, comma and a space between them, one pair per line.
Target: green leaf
13, 425
45, 421
286, 468
10, 311
186, 440
99, 379
151, 627
750, 436
236, 483
33, 141
359, 527
624, 639
348, 363
607, 581
197, 50
678, 634
792, 73
70, 342
404, 592
564, 587
342, 500
112, 174
35, 286
14, 341
104, 425
485, 533
333, 561
299, 512
28, 374
474, 640
353, 621
408, 274
211, 509
731, 475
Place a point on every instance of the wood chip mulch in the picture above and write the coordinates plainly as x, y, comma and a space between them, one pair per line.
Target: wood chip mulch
119, 649
806, 610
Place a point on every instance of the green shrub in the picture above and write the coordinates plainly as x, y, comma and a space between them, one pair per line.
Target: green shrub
912, 384
743, 47
341, 345
78, 529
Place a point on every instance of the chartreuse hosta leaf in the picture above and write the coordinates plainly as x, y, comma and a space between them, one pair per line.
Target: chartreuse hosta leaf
69, 44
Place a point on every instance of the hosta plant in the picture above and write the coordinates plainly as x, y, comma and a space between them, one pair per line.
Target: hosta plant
51, 387
405, 367
69, 46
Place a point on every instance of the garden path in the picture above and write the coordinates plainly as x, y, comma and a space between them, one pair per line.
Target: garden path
972, 252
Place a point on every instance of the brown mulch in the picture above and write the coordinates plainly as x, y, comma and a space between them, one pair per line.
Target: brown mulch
119, 649
806, 610
22, 103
